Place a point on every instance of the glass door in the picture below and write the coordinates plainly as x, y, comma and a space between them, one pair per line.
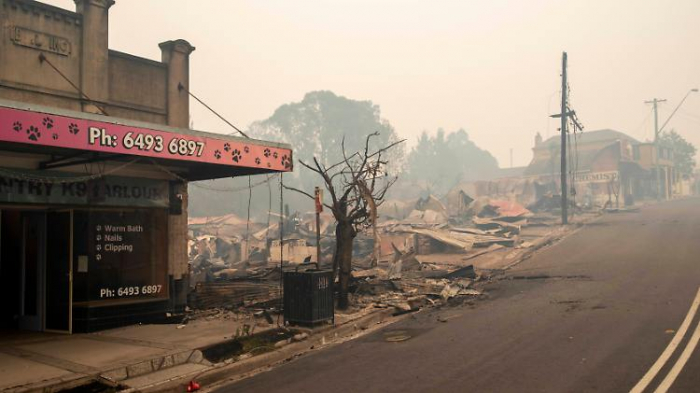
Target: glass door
59, 241
32, 274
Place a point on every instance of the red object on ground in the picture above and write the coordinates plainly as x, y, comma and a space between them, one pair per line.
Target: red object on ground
193, 386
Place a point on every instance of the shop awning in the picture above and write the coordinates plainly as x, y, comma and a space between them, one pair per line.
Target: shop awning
73, 138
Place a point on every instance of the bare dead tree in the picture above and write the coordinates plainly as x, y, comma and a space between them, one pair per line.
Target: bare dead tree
357, 185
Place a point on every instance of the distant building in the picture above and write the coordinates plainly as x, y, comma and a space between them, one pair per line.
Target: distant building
510, 173
602, 163
95, 157
669, 182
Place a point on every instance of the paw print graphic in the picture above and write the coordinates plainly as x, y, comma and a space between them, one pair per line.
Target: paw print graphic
227, 147
217, 154
54, 136
246, 149
73, 129
275, 155
266, 152
236, 155
257, 160
286, 162
269, 165
33, 133
17, 126
48, 123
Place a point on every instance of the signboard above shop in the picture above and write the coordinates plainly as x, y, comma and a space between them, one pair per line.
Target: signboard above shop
597, 177
105, 191
79, 131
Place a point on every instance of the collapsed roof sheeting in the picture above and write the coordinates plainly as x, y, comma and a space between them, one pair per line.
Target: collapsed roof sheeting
431, 202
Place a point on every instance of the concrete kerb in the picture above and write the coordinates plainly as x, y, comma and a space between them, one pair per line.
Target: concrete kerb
52, 385
115, 375
156, 364
223, 373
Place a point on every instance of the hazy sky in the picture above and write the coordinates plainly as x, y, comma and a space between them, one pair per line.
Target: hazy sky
491, 67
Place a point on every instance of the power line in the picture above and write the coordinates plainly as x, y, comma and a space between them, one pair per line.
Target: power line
644, 122
43, 59
690, 115
282, 217
234, 189
247, 223
8, 173
181, 87
269, 207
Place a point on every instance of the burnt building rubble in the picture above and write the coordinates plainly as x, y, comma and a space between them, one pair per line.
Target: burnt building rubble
431, 248
429, 252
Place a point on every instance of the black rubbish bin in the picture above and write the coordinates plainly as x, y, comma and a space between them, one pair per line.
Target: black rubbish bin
308, 296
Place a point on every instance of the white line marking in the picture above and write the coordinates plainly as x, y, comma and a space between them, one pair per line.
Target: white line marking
680, 363
666, 354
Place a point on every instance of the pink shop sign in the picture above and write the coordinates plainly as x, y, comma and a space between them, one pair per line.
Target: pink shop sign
35, 128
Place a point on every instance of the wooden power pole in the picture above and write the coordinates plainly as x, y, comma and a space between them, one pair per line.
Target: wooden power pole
566, 114
655, 102
564, 110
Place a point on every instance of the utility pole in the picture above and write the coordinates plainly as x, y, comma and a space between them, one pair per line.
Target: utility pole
511, 157
564, 109
655, 103
565, 115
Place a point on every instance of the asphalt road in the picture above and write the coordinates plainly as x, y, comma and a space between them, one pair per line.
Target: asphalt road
592, 313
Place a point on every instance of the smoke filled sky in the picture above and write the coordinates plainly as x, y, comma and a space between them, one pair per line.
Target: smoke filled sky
491, 67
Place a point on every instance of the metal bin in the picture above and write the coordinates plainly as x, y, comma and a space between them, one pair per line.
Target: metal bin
308, 296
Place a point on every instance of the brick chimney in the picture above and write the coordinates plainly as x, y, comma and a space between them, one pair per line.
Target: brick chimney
94, 66
176, 54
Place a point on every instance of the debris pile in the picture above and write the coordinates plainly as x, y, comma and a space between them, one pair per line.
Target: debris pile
425, 254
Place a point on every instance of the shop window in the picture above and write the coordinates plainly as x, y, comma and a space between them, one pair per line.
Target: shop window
120, 256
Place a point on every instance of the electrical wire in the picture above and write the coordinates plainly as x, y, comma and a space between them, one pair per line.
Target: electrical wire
234, 189
181, 87
10, 174
269, 209
43, 59
247, 223
281, 288
569, 163
195, 184
643, 123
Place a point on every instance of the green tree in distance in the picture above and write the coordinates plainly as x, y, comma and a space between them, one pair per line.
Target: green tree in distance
444, 160
316, 126
683, 152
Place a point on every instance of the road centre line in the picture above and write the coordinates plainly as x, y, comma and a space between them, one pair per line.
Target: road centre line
680, 363
666, 354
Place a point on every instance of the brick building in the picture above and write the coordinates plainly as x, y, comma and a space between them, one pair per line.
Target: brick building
95, 156
603, 164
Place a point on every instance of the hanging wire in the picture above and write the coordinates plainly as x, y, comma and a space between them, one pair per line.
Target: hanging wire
269, 209
234, 189
181, 87
43, 59
195, 184
247, 223
572, 187
281, 291
10, 174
